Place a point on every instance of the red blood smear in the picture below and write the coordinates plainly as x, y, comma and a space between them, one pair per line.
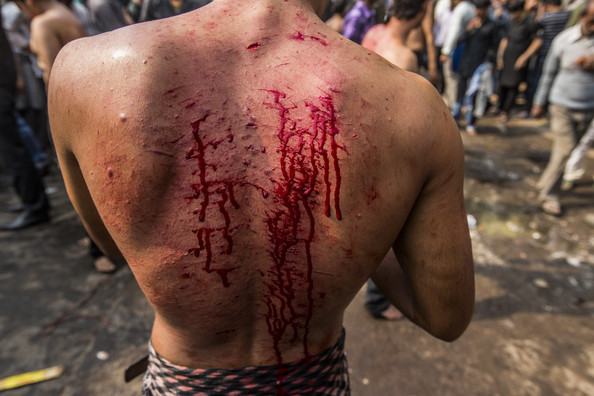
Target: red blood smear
212, 192
299, 36
291, 225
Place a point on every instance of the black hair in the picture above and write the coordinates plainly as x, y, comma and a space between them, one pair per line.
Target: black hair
405, 9
482, 3
552, 2
516, 5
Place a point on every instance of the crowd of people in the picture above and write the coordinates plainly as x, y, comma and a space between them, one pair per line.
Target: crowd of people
481, 55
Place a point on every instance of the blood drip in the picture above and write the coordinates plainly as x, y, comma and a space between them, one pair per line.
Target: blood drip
305, 155
213, 192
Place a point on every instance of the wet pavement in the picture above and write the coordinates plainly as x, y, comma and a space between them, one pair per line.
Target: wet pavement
532, 333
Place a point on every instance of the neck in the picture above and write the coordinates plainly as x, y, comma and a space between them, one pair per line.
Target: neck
400, 29
41, 6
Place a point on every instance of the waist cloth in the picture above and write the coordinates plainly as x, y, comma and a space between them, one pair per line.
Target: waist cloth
322, 374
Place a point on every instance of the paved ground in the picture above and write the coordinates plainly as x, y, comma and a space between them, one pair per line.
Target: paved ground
532, 333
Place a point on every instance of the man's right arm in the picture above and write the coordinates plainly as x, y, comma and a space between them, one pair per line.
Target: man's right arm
67, 123
432, 280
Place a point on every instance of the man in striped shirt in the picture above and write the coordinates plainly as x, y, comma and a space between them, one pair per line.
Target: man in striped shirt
551, 24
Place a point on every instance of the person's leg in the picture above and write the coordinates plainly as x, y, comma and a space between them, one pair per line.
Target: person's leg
509, 99
26, 180
457, 110
101, 262
564, 125
451, 84
378, 306
532, 83
27, 135
576, 164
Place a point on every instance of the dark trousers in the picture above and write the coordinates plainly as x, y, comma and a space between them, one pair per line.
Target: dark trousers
507, 98
375, 302
15, 158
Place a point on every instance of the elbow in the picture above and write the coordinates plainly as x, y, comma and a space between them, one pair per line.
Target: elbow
451, 322
451, 331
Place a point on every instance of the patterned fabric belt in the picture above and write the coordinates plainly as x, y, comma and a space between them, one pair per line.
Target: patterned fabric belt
323, 374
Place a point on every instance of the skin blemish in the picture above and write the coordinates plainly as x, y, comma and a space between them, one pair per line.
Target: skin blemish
253, 47
123, 117
109, 172
159, 152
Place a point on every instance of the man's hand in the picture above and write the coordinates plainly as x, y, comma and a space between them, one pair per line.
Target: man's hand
586, 62
434, 76
520, 62
443, 58
537, 111
475, 23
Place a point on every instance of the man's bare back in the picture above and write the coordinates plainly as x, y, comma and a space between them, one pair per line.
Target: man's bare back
254, 172
381, 40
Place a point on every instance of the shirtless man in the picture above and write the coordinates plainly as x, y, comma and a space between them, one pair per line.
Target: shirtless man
389, 40
53, 26
254, 170
422, 41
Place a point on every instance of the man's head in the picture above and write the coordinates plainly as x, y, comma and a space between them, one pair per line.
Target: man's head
516, 8
29, 8
588, 19
407, 10
482, 6
551, 4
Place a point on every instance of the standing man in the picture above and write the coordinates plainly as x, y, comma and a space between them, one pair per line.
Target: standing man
389, 39
15, 159
568, 83
359, 20
480, 40
53, 25
254, 179
463, 12
551, 23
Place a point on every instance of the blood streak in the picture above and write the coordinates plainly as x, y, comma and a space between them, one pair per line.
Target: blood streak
212, 192
301, 37
307, 152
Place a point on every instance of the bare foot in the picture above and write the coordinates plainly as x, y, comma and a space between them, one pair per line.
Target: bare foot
391, 313
105, 265
84, 242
